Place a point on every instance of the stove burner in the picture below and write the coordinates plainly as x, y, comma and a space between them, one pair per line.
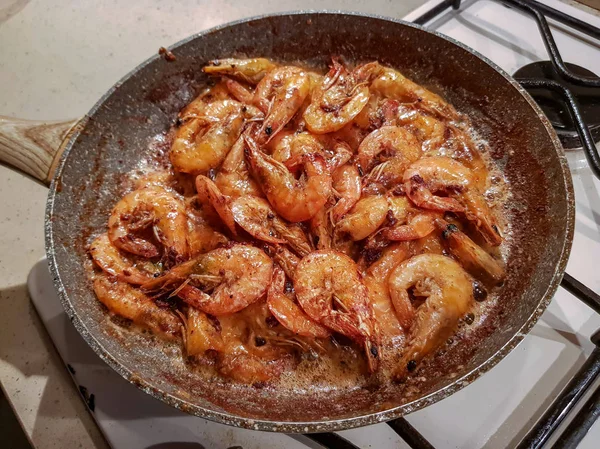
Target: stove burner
555, 108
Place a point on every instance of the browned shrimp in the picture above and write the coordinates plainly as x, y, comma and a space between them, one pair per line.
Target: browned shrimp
129, 302
469, 254
409, 223
202, 142
448, 292
287, 260
293, 199
202, 237
431, 175
250, 70
279, 95
233, 178
210, 195
108, 257
392, 84
347, 188
337, 101
153, 207
288, 313
235, 277
376, 281
258, 219
367, 215
386, 153
325, 278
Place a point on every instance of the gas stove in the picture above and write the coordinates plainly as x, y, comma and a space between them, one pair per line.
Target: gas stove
546, 392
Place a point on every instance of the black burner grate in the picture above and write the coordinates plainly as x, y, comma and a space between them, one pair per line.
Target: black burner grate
583, 380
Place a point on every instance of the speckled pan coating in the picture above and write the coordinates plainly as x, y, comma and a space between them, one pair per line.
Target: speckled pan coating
116, 134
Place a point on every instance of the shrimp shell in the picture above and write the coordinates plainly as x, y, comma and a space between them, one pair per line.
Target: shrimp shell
326, 277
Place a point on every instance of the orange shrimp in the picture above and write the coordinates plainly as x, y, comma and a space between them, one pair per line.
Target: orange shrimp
288, 313
154, 207
430, 175
108, 257
235, 277
448, 290
295, 200
324, 278
279, 95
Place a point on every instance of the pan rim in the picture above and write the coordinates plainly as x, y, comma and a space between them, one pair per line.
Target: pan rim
322, 425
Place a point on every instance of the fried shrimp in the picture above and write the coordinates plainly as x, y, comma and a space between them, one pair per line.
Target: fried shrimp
367, 215
128, 302
288, 313
471, 256
293, 199
108, 257
258, 219
448, 292
330, 290
279, 95
433, 175
392, 84
202, 142
222, 281
250, 70
339, 99
151, 207
234, 179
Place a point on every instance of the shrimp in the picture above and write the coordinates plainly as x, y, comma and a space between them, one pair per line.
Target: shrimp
108, 257
197, 107
236, 277
287, 260
441, 174
295, 200
376, 281
153, 207
390, 150
386, 143
469, 254
250, 70
409, 223
209, 194
327, 278
201, 236
347, 187
202, 142
258, 219
448, 292
279, 95
392, 84
367, 215
293, 147
338, 100
129, 302
201, 334
241, 348
321, 229
233, 178
288, 313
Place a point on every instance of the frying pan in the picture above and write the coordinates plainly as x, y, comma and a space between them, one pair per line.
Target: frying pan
131, 118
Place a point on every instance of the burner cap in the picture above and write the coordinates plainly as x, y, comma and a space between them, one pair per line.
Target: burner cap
554, 107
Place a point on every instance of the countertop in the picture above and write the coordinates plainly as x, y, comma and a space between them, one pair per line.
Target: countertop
56, 59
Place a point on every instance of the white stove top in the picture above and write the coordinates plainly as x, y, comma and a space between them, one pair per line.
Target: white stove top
496, 410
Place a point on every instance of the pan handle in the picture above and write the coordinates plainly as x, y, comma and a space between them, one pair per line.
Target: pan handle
34, 147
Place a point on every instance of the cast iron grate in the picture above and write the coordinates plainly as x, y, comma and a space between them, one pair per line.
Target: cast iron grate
583, 380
